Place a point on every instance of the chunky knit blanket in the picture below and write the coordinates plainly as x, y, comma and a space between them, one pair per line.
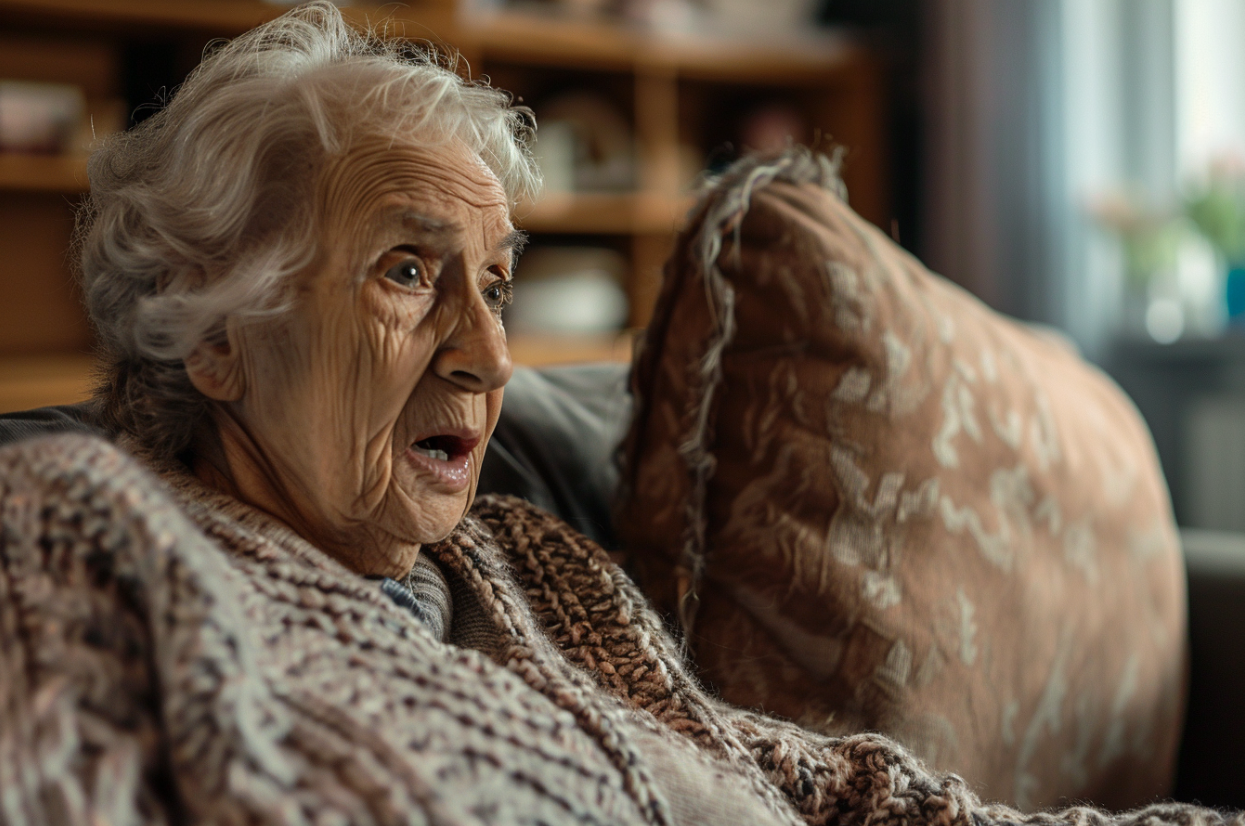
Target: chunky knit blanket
170, 655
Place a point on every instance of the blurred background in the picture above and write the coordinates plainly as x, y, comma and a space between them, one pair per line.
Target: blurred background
1077, 163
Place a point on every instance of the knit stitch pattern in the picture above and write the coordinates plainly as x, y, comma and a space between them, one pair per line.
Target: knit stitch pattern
173, 655
600, 621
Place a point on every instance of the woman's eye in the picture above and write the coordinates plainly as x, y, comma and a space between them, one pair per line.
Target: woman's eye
409, 273
498, 294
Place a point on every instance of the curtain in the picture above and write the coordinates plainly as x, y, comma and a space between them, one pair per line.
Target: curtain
1033, 108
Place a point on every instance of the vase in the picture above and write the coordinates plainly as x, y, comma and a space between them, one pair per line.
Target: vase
1152, 307
1234, 294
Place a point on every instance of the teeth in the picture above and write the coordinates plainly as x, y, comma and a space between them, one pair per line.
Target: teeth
431, 453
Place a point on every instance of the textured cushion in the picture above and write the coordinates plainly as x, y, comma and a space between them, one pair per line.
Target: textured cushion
875, 504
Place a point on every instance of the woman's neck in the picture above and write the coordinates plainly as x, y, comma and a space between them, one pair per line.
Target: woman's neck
228, 460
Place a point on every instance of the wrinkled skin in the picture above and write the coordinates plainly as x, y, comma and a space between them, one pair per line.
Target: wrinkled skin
394, 336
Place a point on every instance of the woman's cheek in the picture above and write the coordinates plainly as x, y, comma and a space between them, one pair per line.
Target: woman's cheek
492, 410
394, 307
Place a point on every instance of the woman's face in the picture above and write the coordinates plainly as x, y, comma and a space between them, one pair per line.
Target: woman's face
367, 410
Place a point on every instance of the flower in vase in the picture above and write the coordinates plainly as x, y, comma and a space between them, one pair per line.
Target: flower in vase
1149, 236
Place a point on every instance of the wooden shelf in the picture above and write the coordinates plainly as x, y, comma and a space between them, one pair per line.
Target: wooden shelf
612, 213
805, 61
676, 92
545, 351
605, 213
42, 173
550, 40
524, 37
225, 16
33, 381
219, 17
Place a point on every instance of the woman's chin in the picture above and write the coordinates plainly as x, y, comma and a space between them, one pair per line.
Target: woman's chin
431, 496
450, 476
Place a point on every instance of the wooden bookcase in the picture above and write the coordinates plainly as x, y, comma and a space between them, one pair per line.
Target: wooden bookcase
676, 91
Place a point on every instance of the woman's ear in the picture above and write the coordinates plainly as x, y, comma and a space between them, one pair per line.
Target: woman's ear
215, 366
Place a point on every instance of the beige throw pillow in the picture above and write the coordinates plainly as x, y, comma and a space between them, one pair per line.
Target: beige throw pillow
875, 504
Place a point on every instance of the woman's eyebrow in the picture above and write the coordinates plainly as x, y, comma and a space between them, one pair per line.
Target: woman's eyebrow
514, 241
426, 225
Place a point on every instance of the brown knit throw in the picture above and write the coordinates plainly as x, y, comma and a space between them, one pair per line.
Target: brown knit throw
172, 655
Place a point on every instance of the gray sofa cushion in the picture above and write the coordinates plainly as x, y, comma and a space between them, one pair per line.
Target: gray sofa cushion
45, 420
554, 444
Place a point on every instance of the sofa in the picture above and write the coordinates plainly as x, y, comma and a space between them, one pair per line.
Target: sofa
867, 502
556, 446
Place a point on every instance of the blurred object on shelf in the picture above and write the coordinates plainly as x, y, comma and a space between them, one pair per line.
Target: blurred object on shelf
596, 136
577, 9
584, 8
751, 19
773, 127
40, 118
771, 19
670, 16
1217, 209
568, 291
555, 150
1169, 288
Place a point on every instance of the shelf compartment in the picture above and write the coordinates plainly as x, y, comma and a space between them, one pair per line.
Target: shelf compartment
224, 17
27, 382
810, 60
611, 213
543, 351
549, 40
602, 213
232, 16
42, 173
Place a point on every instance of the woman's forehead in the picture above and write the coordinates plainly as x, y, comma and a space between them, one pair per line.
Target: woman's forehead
442, 225
438, 185
383, 191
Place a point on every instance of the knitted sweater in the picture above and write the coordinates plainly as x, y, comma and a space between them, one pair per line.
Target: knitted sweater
169, 654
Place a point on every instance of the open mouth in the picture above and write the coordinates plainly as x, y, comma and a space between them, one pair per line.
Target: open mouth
445, 448
445, 459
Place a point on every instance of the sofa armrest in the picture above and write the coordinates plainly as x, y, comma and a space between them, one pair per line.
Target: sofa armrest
1212, 764
76, 418
556, 440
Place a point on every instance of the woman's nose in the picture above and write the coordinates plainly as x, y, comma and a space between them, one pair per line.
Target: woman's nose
475, 356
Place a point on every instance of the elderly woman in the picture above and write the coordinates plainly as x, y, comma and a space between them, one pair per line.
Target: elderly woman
274, 601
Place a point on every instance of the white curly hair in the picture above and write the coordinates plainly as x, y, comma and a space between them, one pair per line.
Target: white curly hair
203, 211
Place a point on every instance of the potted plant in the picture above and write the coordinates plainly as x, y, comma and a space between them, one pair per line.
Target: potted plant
1218, 211
1149, 238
